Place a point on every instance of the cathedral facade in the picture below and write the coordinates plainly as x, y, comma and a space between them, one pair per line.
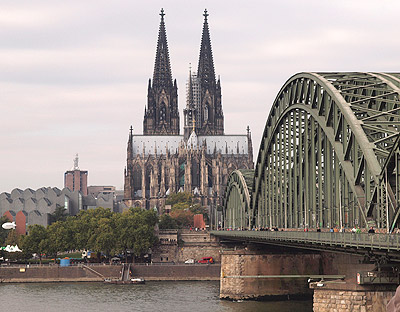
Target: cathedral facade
161, 161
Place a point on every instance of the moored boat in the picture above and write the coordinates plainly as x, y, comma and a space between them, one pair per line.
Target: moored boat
118, 281
137, 280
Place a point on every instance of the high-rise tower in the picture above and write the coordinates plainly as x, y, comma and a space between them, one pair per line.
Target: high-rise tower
161, 116
76, 179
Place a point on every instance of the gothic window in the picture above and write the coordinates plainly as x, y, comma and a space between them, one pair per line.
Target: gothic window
210, 176
182, 174
206, 112
162, 112
195, 174
137, 178
159, 174
149, 169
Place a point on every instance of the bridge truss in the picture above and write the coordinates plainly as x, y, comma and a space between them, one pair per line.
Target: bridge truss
329, 154
237, 196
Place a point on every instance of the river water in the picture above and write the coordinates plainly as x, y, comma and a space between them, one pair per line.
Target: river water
153, 296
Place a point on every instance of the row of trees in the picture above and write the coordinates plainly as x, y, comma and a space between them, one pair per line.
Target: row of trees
99, 230
102, 230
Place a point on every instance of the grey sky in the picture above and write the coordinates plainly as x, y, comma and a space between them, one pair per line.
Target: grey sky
73, 74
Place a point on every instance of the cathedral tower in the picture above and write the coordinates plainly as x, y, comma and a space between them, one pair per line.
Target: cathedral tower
204, 108
211, 116
161, 161
161, 116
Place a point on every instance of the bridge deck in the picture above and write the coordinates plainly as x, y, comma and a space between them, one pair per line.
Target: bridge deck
388, 243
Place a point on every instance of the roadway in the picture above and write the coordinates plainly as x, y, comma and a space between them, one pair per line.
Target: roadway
354, 243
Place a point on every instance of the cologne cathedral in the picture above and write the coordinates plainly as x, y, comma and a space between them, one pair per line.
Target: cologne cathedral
162, 161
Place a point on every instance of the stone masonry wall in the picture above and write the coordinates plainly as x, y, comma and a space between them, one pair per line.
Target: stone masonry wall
190, 245
197, 252
247, 263
55, 273
355, 301
178, 272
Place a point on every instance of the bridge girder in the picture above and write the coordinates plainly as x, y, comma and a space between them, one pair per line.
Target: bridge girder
237, 211
324, 152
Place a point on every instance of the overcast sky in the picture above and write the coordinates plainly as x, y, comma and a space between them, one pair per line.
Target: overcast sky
74, 74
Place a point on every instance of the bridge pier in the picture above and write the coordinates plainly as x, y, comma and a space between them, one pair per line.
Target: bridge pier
348, 294
336, 299
279, 273
241, 271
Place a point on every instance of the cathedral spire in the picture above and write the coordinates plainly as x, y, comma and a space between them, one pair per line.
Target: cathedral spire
162, 76
210, 116
162, 114
206, 72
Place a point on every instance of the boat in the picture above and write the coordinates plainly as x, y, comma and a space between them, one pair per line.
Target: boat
118, 281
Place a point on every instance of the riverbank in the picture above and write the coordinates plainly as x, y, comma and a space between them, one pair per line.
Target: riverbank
97, 273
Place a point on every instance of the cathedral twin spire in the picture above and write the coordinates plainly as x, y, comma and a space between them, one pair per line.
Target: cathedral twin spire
205, 71
162, 115
162, 76
204, 103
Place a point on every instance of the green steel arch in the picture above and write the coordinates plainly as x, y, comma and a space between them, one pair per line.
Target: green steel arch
237, 211
324, 155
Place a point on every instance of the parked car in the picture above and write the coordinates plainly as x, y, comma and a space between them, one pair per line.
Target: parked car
189, 261
206, 260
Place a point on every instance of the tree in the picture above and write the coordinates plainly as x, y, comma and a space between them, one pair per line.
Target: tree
103, 238
59, 214
3, 232
13, 238
59, 238
184, 208
181, 197
85, 226
167, 222
34, 242
183, 218
135, 230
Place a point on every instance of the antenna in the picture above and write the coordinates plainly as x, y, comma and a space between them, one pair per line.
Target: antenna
76, 160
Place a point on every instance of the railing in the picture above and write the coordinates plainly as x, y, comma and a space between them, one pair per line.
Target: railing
389, 242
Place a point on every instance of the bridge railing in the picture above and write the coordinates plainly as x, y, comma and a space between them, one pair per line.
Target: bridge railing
390, 242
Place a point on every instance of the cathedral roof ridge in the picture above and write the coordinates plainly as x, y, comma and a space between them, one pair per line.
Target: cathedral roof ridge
157, 135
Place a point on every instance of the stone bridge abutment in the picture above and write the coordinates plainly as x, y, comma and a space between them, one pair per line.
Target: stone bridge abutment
274, 273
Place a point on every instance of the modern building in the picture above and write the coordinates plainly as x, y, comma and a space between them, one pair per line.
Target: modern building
95, 190
27, 207
162, 161
76, 179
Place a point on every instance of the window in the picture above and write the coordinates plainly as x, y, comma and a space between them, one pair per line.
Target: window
162, 112
206, 112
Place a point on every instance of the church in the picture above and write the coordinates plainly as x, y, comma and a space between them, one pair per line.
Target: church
161, 161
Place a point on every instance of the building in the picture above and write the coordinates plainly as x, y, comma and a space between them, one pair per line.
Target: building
28, 207
162, 161
76, 179
95, 190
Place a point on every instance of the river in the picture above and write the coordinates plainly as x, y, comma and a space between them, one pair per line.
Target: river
153, 296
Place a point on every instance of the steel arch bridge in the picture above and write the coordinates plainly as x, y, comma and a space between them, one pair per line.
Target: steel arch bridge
329, 154
237, 196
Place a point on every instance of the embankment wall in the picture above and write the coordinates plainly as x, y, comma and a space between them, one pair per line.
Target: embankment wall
55, 273
178, 272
